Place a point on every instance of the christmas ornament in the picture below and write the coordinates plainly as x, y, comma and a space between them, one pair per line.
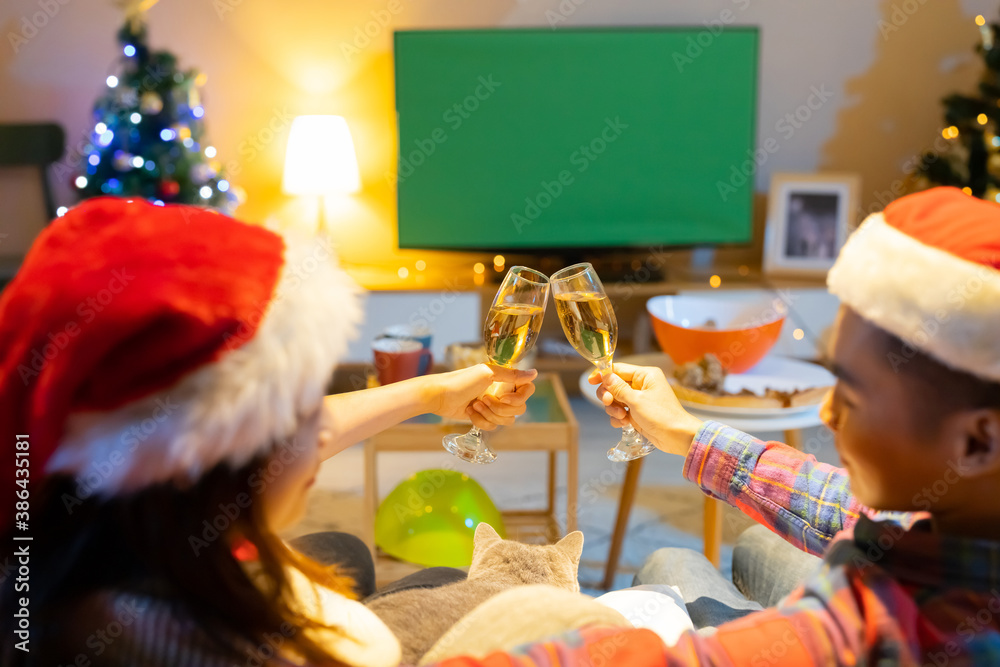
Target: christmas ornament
151, 103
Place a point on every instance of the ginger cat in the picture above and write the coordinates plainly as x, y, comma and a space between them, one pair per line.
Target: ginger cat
420, 616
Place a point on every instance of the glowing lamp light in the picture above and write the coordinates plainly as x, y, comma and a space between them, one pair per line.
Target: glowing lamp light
715, 281
138, 161
167, 134
210, 151
798, 334
135, 118
223, 185
198, 112
100, 128
479, 267
320, 158
94, 159
81, 182
982, 118
205, 192
112, 81
980, 20
129, 50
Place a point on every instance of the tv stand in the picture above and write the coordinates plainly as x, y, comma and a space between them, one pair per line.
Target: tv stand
620, 268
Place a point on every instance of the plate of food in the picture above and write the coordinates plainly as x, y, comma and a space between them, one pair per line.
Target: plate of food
776, 387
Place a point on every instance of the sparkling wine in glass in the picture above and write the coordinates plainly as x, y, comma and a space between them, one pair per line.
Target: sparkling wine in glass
510, 330
591, 327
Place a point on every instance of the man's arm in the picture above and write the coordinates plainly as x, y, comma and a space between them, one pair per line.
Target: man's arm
804, 501
793, 494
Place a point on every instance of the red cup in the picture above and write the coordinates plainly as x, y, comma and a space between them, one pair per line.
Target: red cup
398, 359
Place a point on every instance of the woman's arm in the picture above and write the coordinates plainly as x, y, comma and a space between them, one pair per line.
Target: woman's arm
357, 415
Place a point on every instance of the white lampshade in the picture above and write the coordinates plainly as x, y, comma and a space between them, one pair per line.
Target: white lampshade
320, 158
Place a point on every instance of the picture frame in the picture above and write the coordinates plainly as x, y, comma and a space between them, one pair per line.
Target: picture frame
808, 219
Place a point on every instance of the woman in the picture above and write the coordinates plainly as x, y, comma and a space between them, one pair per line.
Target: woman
164, 376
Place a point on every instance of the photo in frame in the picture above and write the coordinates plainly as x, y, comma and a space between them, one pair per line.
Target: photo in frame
808, 219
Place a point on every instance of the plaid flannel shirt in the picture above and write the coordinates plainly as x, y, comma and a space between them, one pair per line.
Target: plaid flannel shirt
890, 591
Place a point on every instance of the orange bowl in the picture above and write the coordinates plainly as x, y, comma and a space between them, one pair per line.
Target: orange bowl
740, 333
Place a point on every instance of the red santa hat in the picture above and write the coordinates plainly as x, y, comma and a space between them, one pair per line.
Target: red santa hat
145, 344
927, 269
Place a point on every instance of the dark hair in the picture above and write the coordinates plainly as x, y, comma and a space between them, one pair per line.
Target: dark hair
942, 390
169, 540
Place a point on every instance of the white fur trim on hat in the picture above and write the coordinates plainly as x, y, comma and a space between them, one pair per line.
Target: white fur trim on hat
939, 303
247, 401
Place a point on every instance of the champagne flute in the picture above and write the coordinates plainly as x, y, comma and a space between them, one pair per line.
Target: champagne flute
511, 329
591, 327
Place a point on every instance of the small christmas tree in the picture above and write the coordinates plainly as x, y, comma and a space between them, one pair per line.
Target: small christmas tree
971, 159
149, 137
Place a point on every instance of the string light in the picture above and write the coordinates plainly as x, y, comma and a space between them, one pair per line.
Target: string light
129, 50
498, 262
61, 211
112, 81
210, 151
403, 272
198, 112
420, 264
798, 334
105, 138
167, 134
223, 185
982, 119
949, 132
100, 128
205, 192
81, 182
715, 281
967, 190
479, 268
94, 159
188, 143
135, 118
980, 20
138, 161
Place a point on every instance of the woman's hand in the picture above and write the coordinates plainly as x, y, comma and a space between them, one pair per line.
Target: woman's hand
653, 409
462, 394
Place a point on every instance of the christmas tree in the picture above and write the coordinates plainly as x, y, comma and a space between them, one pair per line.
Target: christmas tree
149, 137
967, 155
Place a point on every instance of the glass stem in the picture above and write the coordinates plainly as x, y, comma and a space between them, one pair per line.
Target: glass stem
606, 368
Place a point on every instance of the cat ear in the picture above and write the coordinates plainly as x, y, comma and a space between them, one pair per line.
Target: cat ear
485, 536
571, 545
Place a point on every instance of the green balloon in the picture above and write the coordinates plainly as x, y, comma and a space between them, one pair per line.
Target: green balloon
431, 517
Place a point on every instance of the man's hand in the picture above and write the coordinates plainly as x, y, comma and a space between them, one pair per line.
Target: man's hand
462, 394
653, 409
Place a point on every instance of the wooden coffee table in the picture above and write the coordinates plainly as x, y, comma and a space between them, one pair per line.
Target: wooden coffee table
548, 425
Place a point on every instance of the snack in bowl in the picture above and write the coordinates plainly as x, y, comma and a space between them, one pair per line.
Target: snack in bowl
702, 382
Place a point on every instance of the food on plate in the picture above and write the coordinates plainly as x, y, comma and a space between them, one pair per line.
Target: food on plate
703, 381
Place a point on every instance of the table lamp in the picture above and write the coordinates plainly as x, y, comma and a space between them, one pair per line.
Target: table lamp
320, 160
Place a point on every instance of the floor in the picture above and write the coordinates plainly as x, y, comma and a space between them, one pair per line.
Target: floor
517, 480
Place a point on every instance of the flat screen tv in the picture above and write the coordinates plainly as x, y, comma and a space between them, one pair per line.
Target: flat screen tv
535, 139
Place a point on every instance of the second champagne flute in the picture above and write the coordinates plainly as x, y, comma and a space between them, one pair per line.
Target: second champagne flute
591, 327
510, 330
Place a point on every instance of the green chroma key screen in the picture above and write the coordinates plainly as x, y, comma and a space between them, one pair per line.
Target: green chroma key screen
537, 138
